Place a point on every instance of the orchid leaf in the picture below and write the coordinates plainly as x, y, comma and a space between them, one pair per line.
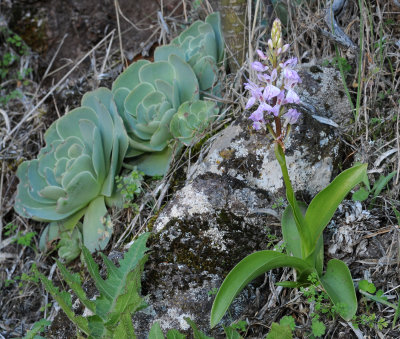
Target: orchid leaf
339, 286
245, 271
323, 206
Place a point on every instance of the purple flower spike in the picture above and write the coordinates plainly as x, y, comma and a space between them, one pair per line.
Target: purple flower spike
289, 63
291, 78
256, 125
270, 92
292, 116
251, 102
292, 97
258, 66
261, 55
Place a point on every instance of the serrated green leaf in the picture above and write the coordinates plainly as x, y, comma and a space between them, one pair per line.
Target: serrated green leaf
196, 332
64, 301
119, 293
125, 328
74, 282
156, 332
231, 333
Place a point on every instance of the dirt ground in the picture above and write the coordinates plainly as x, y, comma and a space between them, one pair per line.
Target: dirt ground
73, 46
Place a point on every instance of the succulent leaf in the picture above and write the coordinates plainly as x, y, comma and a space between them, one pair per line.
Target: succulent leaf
75, 171
192, 119
201, 45
148, 106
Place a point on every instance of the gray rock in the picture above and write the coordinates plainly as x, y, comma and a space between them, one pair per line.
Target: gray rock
225, 211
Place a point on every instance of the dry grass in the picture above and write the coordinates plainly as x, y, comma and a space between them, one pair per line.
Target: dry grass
373, 136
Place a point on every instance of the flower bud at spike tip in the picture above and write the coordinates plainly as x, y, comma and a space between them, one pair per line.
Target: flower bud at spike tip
276, 34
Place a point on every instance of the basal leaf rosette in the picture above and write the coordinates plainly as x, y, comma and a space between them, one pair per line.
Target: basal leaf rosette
192, 119
73, 175
148, 95
202, 46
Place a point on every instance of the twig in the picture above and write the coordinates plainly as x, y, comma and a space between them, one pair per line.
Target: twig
28, 115
119, 32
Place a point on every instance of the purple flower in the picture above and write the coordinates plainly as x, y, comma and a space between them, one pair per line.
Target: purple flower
291, 78
251, 102
256, 93
258, 66
289, 63
258, 116
274, 110
292, 97
292, 116
270, 92
261, 55
280, 99
268, 78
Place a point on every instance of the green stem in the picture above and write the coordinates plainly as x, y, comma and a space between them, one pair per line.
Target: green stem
378, 300
306, 245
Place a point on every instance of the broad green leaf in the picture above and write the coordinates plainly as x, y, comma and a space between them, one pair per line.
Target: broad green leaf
279, 332
291, 284
339, 286
325, 203
175, 334
156, 332
360, 195
245, 271
290, 233
197, 333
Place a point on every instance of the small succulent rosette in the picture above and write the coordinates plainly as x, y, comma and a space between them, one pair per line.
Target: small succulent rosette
73, 176
202, 46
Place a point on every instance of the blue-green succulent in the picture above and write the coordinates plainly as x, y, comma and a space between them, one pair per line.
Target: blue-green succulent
148, 95
202, 46
192, 119
73, 175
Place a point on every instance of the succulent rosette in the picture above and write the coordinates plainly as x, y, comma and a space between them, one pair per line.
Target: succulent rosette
73, 175
148, 95
192, 119
202, 46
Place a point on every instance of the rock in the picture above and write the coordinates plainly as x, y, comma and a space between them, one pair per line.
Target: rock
222, 212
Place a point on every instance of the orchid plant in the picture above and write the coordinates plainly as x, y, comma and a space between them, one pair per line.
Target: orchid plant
302, 226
